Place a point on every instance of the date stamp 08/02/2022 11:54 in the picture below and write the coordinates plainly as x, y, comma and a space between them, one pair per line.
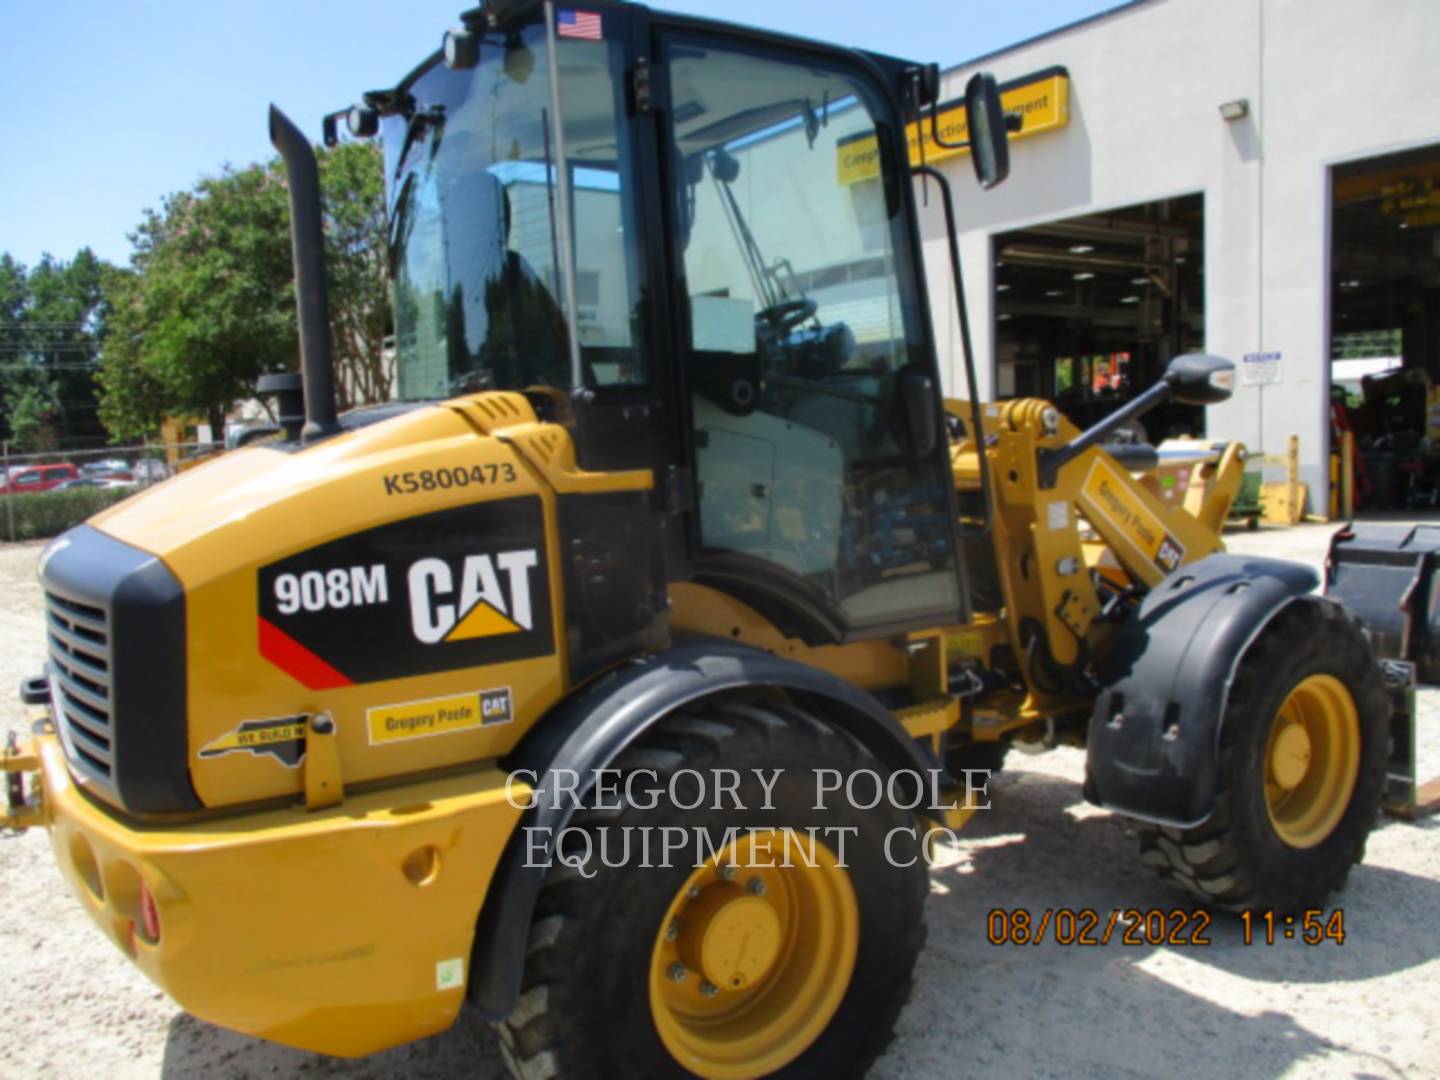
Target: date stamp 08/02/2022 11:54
1156, 926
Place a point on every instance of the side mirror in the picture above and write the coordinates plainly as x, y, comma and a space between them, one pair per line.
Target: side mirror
1198, 379
989, 137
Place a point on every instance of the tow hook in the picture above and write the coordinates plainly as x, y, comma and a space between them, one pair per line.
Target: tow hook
18, 759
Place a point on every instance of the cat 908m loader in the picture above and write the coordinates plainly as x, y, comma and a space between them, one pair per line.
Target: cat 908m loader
669, 493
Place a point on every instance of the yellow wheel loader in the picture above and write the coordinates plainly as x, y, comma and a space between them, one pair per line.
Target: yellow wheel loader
616, 676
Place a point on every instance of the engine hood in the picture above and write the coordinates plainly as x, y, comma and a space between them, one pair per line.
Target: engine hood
399, 577
281, 498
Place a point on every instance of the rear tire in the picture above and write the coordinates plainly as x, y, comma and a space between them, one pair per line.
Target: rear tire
600, 983
1287, 846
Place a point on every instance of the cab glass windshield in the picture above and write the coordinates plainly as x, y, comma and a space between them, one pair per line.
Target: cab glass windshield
472, 171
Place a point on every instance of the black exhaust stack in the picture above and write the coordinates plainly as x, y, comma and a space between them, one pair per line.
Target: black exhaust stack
307, 241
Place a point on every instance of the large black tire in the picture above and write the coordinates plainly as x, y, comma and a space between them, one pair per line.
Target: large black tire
585, 1008
1238, 860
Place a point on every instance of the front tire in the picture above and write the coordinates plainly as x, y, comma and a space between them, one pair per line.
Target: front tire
704, 970
1303, 749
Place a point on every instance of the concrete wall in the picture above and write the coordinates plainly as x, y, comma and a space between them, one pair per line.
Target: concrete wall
1328, 81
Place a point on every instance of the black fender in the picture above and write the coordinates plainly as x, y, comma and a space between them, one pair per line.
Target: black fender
591, 728
1153, 748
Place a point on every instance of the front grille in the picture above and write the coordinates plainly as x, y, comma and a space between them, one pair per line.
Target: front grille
79, 642
115, 632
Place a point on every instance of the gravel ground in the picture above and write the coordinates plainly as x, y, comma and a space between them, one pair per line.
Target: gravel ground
75, 1007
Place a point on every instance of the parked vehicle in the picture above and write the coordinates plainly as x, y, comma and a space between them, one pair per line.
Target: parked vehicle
110, 469
150, 471
95, 482
38, 477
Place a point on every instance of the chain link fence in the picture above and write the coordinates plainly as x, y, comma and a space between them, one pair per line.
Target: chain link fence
46, 493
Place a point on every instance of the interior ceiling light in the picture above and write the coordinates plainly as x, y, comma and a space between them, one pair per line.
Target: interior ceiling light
1084, 275
1081, 249
1002, 318
1002, 288
1054, 292
1129, 300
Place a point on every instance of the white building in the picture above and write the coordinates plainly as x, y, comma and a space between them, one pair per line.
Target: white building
1250, 177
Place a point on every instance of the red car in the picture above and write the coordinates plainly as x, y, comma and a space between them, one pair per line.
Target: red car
37, 477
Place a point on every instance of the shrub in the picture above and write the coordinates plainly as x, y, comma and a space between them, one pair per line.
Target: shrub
39, 514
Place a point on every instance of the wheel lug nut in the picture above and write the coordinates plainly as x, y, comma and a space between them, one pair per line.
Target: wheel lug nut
677, 973
694, 893
673, 930
708, 989
727, 872
757, 887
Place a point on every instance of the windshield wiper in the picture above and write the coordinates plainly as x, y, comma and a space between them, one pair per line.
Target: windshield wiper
399, 219
420, 119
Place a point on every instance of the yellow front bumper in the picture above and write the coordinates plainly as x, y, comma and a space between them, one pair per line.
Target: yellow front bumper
343, 931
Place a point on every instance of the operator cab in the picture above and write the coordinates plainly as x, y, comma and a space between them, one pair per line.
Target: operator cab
709, 268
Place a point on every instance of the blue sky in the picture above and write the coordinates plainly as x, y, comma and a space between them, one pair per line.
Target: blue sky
111, 104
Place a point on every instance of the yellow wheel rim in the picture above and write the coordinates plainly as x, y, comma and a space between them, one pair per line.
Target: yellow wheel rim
1312, 759
754, 955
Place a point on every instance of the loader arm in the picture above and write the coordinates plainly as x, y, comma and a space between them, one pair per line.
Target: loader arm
1067, 546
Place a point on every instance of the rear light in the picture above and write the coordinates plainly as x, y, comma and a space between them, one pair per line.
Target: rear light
149, 914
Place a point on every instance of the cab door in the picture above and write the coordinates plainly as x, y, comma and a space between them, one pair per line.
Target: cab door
823, 492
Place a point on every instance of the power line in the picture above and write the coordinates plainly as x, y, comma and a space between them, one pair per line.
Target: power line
49, 328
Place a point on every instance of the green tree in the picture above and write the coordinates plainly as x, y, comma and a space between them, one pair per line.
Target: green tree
35, 415
353, 190
14, 299
209, 304
14, 345
217, 304
133, 400
51, 321
67, 317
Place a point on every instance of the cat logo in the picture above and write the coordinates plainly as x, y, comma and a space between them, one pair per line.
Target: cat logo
459, 588
448, 607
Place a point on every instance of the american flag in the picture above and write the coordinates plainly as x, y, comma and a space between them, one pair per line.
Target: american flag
578, 24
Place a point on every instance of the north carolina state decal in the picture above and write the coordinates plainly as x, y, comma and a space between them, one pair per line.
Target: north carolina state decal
282, 738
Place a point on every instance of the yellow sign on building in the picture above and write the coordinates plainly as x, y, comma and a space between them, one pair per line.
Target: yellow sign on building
1042, 100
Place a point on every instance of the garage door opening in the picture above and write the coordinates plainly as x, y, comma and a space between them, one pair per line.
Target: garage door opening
1385, 326
1089, 310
